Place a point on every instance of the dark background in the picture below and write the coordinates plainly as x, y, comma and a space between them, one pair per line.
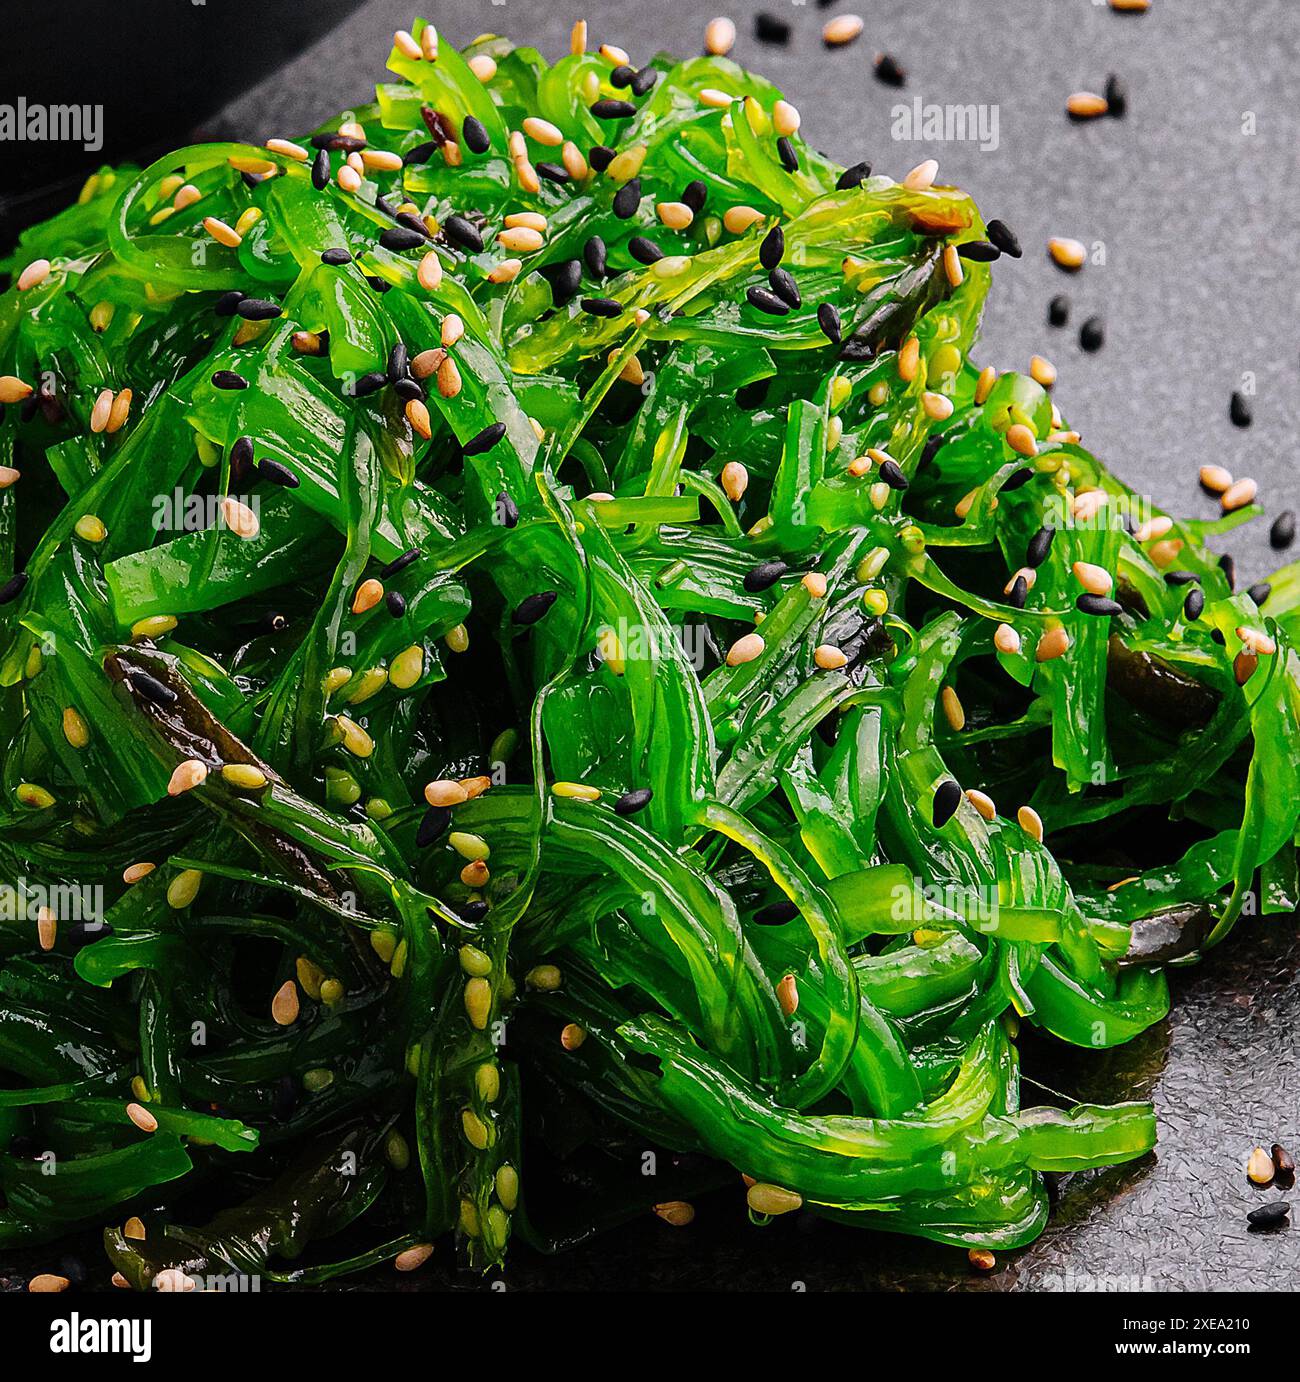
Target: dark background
1198, 220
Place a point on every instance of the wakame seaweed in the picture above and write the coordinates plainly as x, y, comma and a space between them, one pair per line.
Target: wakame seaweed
521, 599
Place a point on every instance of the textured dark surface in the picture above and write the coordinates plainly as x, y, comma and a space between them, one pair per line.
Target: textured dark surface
1196, 217
1198, 222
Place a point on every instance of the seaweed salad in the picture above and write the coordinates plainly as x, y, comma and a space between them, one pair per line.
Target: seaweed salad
528, 639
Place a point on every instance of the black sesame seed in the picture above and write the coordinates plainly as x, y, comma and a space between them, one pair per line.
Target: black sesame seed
437, 125
151, 689
644, 251
889, 71
1039, 546
1017, 478
241, 458
370, 383
384, 205
421, 153
644, 80
931, 448
853, 177
1180, 577
632, 802
1282, 533
627, 199
1269, 1215
484, 440
381, 286
228, 303
1098, 604
412, 222
530, 609
320, 170
432, 824
1216, 636
463, 233
1228, 565
1116, 94
1004, 238
1058, 313
336, 257
401, 238
565, 279
396, 603
475, 136
600, 156
399, 362
828, 318
1239, 410
13, 588
1260, 591
553, 172
892, 474
276, 474
408, 388
473, 911
784, 286
339, 143
507, 511
602, 307
595, 257
1092, 335
772, 250
767, 301
769, 29
694, 195
776, 913
785, 152
610, 108
621, 77
228, 379
764, 575
947, 798
1018, 593
400, 563
979, 251
85, 933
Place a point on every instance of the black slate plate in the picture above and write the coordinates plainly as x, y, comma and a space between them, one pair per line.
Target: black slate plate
1191, 198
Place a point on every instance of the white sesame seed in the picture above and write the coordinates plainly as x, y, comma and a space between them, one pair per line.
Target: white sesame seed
1069, 254
1030, 822
842, 29
734, 480
1096, 580
543, 131
1086, 105
745, 649
785, 118
719, 37
922, 176
1042, 371
35, 273
1238, 495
